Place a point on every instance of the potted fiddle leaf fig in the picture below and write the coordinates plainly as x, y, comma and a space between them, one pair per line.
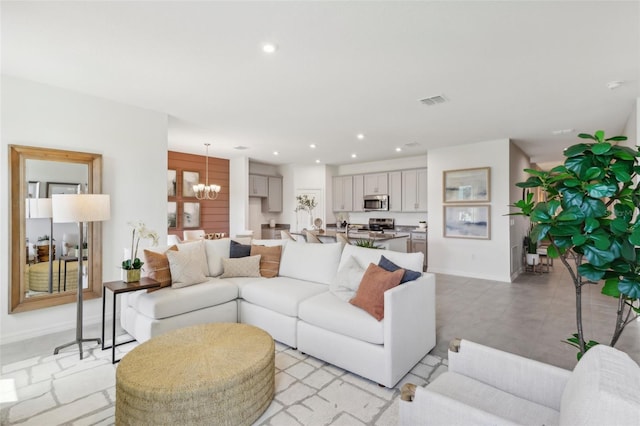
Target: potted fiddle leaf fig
590, 220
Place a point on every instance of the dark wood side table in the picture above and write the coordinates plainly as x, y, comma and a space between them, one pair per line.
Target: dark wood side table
118, 287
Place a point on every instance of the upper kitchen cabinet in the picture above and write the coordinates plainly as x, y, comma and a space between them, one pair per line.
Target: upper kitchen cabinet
258, 186
273, 202
342, 193
395, 191
414, 190
376, 184
358, 193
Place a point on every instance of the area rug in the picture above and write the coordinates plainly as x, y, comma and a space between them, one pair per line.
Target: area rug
63, 390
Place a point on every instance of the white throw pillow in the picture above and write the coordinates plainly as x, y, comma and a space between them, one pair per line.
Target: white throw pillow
248, 266
185, 269
216, 250
347, 280
196, 251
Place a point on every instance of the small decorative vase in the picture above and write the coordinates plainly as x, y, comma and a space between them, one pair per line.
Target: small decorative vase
533, 259
132, 275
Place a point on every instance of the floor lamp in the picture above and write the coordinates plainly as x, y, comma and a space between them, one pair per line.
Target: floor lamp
40, 208
80, 208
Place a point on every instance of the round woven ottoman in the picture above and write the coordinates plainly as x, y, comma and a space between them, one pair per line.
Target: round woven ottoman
210, 374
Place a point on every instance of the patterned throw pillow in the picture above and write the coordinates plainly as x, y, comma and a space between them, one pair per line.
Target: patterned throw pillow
241, 267
370, 294
388, 265
269, 260
157, 267
186, 269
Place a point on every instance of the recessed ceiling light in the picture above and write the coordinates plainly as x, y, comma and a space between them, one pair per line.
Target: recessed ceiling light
353, 155
398, 149
312, 146
612, 85
269, 48
276, 153
317, 161
360, 136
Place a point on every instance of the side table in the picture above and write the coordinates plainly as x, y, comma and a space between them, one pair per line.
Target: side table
118, 287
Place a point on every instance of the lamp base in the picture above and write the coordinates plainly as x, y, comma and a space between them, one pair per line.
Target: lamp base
78, 342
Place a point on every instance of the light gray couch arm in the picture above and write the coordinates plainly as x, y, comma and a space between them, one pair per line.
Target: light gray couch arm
523, 377
409, 324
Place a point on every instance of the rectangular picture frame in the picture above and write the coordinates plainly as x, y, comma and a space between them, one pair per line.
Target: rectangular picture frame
190, 215
188, 180
466, 185
171, 183
172, 214
33, 189
467, 221
62, 188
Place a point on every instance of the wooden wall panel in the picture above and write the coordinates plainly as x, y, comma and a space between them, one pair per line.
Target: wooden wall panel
214, 214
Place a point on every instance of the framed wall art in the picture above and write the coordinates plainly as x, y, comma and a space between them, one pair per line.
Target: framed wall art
468, 221
171, 183
188, 180
466, 185
190, 215
62, 188
172, 214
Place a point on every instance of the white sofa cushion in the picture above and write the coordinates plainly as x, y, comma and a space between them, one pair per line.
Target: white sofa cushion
269, 243
216, 250
364, 256
175, 301
466, 391
311, 262
327, 311
347, 280
603, 389
280, 294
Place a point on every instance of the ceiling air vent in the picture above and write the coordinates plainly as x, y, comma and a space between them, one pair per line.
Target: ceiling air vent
240, 147
434, 100
411, 145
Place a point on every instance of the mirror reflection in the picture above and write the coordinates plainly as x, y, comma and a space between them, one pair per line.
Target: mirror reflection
52, 249
44, 254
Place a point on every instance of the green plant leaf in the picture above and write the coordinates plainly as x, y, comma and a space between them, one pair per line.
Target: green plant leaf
578, 165
579, 239
610, 288
590, 273
634, 238
571, 214
621, 171
629, 287
593, 173
624, 153
599, 135
601, 148
617, 138
619, 226
531, 182
591, 224
593, 207
601, 239
572, 183
552, 252
535, 172
601, 190
596, 256
627, 250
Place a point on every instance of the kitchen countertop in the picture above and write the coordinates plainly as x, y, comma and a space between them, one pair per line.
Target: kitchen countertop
361, 235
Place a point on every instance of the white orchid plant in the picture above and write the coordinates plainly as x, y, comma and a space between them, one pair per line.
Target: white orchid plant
139, 231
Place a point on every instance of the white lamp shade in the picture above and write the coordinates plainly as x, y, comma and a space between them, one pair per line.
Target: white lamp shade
80, 207
37, 208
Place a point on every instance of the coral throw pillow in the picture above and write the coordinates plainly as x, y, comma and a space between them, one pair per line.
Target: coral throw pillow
157, 267
370, 294
269, 260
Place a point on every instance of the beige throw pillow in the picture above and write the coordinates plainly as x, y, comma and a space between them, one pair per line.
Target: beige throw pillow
186, 269
241, 267
269, 260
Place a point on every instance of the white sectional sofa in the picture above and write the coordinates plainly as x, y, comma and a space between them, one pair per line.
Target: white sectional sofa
299, 308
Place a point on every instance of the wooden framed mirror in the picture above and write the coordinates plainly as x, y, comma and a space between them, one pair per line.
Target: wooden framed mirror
42, 275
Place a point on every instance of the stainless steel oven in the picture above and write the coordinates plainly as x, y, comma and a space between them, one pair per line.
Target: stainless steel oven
376, 203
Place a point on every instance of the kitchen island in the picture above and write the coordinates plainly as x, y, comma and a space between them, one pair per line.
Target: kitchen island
390, 240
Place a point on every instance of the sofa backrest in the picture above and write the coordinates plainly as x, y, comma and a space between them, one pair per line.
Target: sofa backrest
216, 250
311, 262
604, 388
364, 256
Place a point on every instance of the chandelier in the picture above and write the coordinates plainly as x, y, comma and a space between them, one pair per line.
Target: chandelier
204, 191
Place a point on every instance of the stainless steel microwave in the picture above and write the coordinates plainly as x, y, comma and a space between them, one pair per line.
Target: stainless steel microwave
376, 202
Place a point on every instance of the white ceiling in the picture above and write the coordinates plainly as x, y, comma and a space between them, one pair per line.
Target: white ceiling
508, 69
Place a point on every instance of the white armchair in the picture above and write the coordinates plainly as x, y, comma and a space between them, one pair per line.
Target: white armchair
489, 386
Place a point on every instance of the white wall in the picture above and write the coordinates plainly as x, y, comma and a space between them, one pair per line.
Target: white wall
238, 195
133, 143
631, 127
518, 225
485, 259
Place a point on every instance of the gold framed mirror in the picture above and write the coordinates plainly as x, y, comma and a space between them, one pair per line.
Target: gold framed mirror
40, 277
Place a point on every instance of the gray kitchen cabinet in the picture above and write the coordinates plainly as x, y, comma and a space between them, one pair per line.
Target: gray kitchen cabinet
258, 186
358, 193
342, 193
273, 202
376, 184
414, 190
395, 191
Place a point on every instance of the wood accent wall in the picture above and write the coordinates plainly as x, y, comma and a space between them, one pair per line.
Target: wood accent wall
214, 214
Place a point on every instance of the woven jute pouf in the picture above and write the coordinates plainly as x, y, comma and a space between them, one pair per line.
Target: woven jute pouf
211, 374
